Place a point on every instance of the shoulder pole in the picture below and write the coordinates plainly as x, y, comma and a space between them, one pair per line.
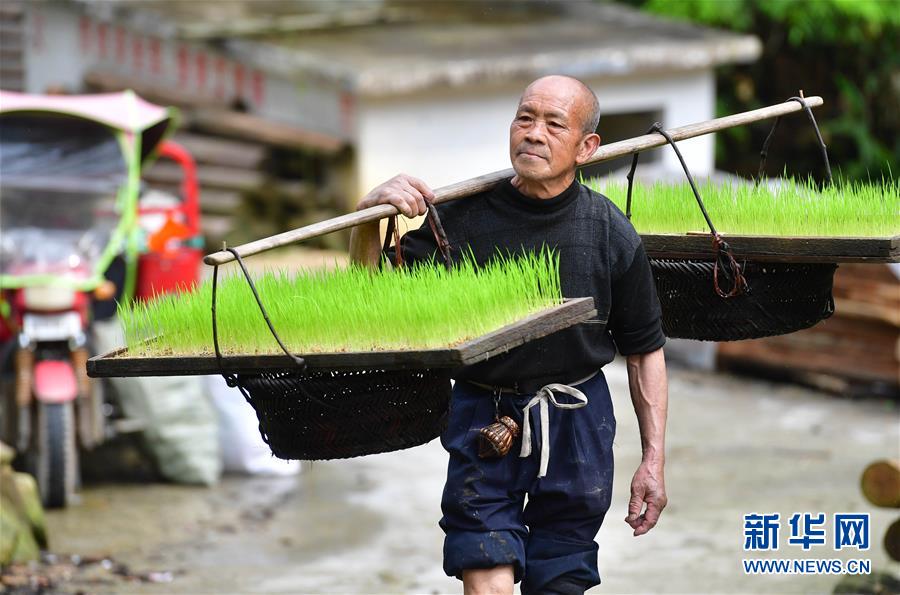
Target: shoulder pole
484, 182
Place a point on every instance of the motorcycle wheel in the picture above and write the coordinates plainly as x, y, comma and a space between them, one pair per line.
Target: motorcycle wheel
55, 455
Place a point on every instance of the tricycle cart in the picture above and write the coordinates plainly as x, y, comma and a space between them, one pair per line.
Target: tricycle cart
68, 206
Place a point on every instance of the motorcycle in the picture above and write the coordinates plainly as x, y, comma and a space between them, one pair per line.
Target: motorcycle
68, 207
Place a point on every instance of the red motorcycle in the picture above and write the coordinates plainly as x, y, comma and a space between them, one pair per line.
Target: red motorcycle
68, 208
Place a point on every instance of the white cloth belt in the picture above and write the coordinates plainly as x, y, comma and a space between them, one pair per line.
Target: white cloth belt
543, 398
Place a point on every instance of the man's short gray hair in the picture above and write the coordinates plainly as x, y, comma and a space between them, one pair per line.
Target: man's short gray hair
592, 118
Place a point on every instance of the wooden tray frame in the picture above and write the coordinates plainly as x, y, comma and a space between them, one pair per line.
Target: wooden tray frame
698, 246
117, 363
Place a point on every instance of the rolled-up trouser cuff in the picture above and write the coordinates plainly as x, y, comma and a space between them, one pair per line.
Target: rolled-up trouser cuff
552, 557
469, 550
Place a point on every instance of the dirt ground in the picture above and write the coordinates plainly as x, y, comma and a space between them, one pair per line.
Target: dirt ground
369, 525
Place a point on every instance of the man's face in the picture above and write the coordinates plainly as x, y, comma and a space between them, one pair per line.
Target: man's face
546, 133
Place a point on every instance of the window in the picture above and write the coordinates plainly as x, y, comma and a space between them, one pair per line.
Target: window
616, 127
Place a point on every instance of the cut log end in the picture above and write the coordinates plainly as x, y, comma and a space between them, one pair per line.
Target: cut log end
881, 483
892, 541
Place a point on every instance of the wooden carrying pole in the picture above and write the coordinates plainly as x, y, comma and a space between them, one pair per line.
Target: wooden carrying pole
485, 182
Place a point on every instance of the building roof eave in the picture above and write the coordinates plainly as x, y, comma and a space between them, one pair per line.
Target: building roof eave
588, 63
396, 56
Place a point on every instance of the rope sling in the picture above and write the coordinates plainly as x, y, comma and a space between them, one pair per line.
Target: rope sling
337, 414
724, 300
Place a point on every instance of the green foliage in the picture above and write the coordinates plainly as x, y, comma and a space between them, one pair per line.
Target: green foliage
847, 51
788, 208
734, 14
348, 309
805, 21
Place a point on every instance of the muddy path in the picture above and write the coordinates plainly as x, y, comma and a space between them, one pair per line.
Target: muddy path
370, 525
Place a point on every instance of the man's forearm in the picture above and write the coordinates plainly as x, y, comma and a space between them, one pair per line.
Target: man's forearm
649, 395
365, 244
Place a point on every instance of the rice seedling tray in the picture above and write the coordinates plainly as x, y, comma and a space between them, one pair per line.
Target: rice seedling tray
118, 363
776, 248
791, 221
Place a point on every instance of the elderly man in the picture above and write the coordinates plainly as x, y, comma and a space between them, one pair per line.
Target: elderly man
493, 538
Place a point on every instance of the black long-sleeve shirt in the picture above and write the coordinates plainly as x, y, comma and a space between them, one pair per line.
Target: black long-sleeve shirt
600, 255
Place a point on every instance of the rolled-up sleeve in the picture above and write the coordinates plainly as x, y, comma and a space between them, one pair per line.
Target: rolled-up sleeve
635, 314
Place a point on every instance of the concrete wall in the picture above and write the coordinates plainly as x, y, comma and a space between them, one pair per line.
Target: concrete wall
53, 56
443, 137
63, 45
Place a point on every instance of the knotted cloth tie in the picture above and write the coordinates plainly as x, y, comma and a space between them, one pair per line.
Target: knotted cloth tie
543, 398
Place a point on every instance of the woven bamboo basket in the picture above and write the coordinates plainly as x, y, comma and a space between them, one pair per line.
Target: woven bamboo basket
722, 299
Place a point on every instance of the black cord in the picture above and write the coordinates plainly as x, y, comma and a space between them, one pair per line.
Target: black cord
723, 257
764, 153
231, 379
657, 127
297, 359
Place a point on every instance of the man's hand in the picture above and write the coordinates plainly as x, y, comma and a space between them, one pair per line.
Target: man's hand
650, 397
648, 487
405, 192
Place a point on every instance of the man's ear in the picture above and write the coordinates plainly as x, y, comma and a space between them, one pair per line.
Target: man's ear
587, 148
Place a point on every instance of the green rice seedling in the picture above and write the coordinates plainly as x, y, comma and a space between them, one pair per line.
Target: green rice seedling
347, 309
790, 208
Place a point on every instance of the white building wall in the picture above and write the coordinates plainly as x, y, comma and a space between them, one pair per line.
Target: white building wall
448, 136
682, 98
439, 137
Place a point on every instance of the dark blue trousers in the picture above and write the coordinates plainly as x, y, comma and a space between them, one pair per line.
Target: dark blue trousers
549, 540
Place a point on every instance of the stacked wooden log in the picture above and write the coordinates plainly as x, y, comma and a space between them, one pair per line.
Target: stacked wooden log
856, 351
242, 195
880, 485
12, 45
225, 170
